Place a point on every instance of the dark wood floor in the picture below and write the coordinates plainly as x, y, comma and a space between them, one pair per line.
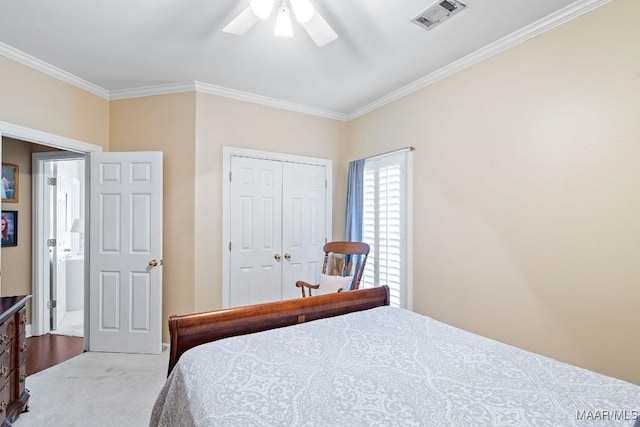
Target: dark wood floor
48, 350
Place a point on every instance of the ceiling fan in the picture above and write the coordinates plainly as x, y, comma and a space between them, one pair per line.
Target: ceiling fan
304, 12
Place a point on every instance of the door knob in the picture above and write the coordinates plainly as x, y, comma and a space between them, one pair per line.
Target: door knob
287, 256
277, 257
153, 263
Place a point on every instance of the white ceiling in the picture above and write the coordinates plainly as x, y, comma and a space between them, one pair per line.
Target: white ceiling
119, 45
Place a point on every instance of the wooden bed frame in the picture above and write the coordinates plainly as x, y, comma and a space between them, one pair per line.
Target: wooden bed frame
190, 330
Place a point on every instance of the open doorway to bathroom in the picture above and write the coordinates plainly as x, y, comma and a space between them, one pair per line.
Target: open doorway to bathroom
66, 258
59, 192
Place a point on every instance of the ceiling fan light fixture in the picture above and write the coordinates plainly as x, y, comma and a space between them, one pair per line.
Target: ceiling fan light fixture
283, 22
262, 8
314, 24
303, 9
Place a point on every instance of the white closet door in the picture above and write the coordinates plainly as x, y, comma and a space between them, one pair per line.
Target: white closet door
256, 231
304, 229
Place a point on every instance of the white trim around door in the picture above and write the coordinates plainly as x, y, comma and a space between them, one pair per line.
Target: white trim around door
26, 134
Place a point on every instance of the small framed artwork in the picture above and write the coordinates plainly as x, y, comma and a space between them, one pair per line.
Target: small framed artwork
9, 228
9, 185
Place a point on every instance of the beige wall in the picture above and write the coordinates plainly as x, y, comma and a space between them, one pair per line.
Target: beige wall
16, 260
527, 209
32, 99
166, 123
191, 130
37, 101
226, 122
525, 173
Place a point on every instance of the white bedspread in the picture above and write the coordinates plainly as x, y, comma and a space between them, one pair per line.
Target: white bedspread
384, 366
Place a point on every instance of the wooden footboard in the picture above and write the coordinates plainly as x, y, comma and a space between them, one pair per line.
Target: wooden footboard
190, 330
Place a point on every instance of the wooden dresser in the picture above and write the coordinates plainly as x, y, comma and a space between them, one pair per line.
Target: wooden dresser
13, 347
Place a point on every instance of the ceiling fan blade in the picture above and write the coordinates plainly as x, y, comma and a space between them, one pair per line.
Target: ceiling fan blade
241, 23
319, 30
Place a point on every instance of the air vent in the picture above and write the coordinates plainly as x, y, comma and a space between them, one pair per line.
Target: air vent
438, 13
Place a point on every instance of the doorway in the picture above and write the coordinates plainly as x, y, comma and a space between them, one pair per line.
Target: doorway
58, 254
64, 229
71, 147
117, 179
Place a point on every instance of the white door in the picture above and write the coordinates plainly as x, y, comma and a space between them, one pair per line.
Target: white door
125, 271
278, 228
304, 219
256, 231
59, 280
63, 244
51, 248
56, 205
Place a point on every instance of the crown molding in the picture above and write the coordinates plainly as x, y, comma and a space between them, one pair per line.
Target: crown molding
553, 20
152, 90
50, 70
210, 89
269, 102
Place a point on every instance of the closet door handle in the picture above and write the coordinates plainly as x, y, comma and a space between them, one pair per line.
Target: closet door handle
287, 256
277, 257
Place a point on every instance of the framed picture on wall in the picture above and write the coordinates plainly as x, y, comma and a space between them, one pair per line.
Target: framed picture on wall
9, 185
9, 228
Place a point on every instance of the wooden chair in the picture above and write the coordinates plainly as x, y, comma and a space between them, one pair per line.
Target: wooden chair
341, 259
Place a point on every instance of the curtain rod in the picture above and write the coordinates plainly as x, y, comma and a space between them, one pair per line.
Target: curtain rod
399, 150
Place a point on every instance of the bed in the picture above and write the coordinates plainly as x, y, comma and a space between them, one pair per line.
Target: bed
349, 359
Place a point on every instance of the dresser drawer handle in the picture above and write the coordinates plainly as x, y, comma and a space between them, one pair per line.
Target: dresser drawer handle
3, 406
23, 377
23, 320
4, 370
23, 347
3, 338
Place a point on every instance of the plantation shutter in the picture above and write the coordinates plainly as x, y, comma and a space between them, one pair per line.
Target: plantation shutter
384, 224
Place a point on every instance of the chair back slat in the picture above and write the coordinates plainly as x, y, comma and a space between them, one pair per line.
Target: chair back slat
356, 282
347, 272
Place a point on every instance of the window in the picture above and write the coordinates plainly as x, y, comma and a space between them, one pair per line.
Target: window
386, 224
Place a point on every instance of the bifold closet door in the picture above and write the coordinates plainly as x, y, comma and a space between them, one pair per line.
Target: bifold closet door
256, 231
304, 225
278, 223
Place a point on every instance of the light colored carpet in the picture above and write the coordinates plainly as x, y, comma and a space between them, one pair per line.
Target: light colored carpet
72, 324
96, 389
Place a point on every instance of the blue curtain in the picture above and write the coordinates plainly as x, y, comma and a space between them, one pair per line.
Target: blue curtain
354, 211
